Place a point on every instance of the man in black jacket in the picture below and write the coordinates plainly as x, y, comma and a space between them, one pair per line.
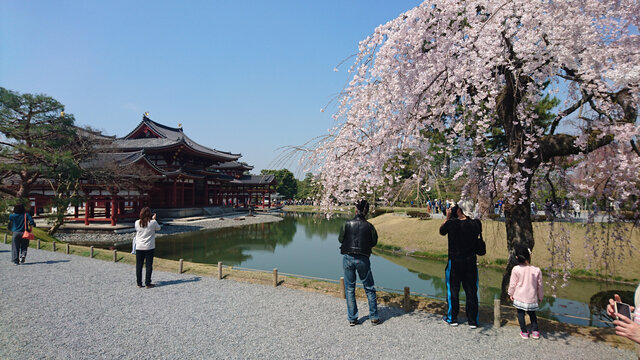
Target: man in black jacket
357, 237
462, 265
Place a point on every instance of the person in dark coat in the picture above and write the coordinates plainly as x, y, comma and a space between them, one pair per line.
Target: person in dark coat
463, 234
357, 237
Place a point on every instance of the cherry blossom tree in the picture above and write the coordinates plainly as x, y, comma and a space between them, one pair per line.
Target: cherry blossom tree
475, 70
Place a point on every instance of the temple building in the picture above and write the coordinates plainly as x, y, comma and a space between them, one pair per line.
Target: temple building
179, 173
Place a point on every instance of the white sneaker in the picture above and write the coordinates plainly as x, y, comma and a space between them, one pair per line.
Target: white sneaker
455, 323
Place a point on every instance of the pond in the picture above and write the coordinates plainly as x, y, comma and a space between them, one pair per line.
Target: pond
306, 245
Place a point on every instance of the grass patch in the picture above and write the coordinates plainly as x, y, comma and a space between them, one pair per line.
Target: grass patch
431, 255
500, 261
388, 247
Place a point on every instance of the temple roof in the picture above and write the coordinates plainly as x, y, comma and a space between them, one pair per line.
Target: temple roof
231, 165
255, 180
120, 159
158, 136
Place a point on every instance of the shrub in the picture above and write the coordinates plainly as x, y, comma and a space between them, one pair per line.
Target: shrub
418, 214
539, 218
493, 217
628, 215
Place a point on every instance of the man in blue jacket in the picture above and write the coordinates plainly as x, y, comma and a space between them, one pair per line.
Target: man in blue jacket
357, 237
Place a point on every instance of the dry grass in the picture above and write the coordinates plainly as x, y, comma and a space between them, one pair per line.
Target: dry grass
422, 235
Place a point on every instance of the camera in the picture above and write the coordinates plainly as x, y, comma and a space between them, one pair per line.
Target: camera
454, 212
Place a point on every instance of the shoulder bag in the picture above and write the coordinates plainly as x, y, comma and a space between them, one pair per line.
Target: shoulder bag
27, 235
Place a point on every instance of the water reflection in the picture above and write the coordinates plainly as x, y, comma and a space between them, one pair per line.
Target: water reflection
308, 245
233, 246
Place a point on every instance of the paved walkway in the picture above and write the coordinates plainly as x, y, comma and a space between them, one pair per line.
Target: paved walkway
58, 306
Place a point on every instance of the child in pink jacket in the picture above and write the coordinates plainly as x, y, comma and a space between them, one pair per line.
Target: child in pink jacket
525, 290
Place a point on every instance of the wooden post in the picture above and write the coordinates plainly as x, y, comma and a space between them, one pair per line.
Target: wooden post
407, 301
180, 266
496, 312
67, 249
53, 244
219, 270
275, 277
115, 255
342, 290
91, 252
38, 244
5, 238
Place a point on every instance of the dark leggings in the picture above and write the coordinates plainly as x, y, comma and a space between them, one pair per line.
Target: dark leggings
532, 316
147, 257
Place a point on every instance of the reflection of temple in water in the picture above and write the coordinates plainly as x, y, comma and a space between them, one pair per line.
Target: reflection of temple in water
229, 245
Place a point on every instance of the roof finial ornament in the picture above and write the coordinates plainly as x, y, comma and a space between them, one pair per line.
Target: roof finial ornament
179, 125
146, 114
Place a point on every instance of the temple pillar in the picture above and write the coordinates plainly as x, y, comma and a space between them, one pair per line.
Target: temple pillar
114, 210
174, 202
206, 192
86, 212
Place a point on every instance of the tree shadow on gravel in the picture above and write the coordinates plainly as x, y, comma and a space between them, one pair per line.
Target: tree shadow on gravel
176, 282
48, 262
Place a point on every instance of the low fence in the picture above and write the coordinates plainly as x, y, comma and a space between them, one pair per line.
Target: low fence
497, 306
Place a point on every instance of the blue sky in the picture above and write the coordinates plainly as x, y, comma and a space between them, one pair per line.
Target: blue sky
241, 76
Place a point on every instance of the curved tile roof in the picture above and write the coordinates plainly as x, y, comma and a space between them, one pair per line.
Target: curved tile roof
168, 137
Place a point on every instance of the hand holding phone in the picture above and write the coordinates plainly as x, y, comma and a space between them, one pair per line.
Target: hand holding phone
623, 309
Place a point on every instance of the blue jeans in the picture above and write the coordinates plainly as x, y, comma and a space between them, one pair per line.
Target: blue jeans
361, 264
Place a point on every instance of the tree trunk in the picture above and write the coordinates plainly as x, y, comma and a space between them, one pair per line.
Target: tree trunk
519, 232
56, 225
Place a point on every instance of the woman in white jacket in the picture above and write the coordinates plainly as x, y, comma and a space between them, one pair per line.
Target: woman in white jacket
146, 228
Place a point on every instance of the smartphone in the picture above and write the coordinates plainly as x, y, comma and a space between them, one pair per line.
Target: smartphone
624, 309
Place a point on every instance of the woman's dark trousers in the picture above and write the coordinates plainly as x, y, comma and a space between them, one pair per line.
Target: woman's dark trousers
147, 257
532, 317
19, 247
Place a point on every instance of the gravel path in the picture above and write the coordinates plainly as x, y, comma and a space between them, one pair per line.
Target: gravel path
168, 228
58, 306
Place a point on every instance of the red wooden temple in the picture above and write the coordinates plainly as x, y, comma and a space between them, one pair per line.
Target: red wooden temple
185, 175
